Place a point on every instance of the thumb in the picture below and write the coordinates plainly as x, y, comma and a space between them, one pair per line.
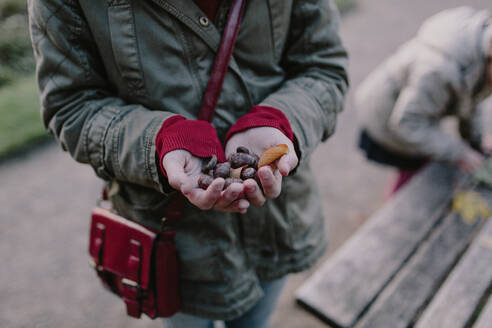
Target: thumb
174, 163
287, 163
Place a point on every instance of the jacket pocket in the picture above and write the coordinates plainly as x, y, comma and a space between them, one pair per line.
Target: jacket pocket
280, 11
258, 51
124, 45
141, 204
304, 211
201, 269
199, 256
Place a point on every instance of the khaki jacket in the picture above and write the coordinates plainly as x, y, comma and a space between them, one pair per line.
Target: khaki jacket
111, 72
441, 72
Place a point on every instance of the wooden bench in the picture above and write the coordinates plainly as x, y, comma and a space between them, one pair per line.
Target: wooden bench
414, 263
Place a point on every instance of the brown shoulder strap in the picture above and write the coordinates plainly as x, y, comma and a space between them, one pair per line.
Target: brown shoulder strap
214, 87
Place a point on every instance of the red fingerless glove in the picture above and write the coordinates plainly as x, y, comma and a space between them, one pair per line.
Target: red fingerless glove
262, 116
197, 137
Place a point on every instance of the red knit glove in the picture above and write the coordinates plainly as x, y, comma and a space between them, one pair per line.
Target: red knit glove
261, 128
197, 137
262, 116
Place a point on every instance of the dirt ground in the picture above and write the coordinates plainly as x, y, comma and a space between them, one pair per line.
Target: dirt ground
45, 199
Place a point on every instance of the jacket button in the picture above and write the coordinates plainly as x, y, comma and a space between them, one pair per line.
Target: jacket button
204, 21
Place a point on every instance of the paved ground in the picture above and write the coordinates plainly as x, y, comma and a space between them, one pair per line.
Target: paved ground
45, 200
351, 187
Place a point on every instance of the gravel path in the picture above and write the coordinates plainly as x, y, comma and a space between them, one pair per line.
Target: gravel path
46, 198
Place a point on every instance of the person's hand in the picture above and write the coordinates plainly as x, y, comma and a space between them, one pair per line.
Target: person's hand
258, 140
471, 160
183, 170
486, 144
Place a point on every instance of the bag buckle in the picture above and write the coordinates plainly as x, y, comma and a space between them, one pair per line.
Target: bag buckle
129, 282
131, 297
131, 288
163, 224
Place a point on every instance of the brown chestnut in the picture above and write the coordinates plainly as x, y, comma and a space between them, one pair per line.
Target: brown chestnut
204, 181
222, 170
210, 164
242, 159
248, 173
242, 149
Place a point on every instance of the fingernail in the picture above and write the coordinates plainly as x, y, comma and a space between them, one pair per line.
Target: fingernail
243, 204
251, 188
218, 187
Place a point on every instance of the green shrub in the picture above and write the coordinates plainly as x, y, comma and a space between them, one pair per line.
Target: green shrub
16, 57
12, 7
19, 109
14, 40
7, 75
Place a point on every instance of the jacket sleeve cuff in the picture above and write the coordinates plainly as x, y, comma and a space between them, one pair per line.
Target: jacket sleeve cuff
262, 116
197, 137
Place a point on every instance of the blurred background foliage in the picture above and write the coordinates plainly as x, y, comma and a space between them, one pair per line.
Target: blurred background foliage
16, 58
11, 7
20, 124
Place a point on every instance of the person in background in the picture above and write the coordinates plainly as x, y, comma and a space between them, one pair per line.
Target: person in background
445, 70
121, 85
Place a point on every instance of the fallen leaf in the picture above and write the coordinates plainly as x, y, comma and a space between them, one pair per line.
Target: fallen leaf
471, 205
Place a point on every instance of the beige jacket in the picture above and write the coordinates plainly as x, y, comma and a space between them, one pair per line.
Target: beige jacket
440, 72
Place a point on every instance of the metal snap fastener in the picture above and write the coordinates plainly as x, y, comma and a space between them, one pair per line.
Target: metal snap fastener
204, 21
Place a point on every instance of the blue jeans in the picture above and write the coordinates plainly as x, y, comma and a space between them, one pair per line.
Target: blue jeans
257, 317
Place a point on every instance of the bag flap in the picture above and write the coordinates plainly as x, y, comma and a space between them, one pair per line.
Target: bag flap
121, 246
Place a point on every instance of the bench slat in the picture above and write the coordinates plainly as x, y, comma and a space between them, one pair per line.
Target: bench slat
462, 292
416, 284
341, 290
485, 317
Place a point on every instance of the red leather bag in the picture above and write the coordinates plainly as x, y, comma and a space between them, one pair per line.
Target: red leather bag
138, 264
